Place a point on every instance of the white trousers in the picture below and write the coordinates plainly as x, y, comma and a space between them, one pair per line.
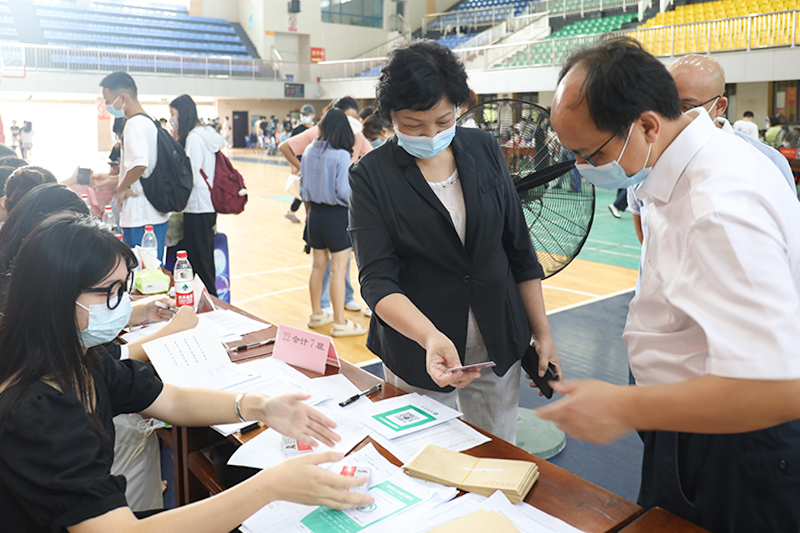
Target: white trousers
489, 402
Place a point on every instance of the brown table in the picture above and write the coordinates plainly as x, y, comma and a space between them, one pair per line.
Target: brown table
557, 492
657, 520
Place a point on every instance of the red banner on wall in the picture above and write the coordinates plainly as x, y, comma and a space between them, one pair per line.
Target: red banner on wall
317, 55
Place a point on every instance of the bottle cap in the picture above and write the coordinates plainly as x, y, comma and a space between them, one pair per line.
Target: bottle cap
181, 254
108, 208
85, 196
148, 228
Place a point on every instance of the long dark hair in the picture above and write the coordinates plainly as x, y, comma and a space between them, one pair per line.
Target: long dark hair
65, 254
335, 128
187, 116
38, 204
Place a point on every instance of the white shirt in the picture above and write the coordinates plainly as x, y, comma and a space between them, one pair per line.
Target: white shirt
748, 127
451, 195
139, 149
720, 283
202, 145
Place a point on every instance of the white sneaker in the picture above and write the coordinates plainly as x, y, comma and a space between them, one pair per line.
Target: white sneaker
614, 211
328, 309
367, 312
352, 305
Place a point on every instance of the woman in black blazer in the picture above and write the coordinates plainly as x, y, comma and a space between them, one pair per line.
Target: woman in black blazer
442, 246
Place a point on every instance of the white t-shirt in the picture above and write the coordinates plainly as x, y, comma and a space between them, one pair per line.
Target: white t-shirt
139, 148
747, 127
451, 195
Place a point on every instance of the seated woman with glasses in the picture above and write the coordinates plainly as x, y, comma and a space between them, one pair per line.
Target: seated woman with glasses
50, 198
58, 394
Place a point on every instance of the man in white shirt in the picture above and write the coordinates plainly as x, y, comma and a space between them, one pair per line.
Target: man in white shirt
746, 125
138, 159
713, 334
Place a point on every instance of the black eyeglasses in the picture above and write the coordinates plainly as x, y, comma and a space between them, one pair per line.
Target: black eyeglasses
685, 106
588, 158
115, 291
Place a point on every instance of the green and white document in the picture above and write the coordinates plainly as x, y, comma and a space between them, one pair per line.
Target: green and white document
402, 415
394, 492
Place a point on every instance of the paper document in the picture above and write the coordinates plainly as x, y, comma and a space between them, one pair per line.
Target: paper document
194, 358
454, 435
231, 322
479, 521
399, 416
394, 493
266, 450
142, 331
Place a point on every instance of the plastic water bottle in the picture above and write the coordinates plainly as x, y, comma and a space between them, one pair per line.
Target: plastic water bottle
184, 280
85, 198
110, 221
149, 242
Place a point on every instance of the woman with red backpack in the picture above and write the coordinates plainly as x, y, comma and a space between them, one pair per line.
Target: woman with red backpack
199, 218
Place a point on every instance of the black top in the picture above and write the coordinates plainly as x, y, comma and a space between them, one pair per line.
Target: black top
299, 129
55, 470
405, 242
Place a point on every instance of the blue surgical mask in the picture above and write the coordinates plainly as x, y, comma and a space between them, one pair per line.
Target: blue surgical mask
113, 111
425, 147
612, 175
306, 119
104, 323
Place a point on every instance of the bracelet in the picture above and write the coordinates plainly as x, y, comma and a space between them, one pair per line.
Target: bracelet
238, 403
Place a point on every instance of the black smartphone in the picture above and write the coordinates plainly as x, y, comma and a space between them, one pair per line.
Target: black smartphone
530, 364
84, 176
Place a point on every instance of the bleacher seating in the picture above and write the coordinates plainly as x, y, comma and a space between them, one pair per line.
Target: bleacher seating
452, 41
122, 27
573, 6
720, 9
542, 53
466, 5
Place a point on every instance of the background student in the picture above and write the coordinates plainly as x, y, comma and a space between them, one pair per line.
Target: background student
199, 218
324, 186
139, 158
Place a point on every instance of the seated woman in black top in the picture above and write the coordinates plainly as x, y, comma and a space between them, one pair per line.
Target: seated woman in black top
442, 246
68, 290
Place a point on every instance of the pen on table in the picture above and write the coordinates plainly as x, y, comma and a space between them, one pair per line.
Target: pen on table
355, 397
162, 305
244, 347
250, 427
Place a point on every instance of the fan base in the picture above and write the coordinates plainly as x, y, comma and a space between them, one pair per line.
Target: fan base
538, 437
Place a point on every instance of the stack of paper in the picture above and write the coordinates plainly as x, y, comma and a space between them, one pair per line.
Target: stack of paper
472, 474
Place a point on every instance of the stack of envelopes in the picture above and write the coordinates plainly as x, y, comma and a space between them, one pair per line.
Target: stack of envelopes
473, 474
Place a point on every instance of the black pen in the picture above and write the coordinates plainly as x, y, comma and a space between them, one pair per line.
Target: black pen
244, 347
355, 397
250, 427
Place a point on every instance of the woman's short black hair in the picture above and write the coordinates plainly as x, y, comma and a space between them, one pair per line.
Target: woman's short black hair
335, 128
373, 127
417, 76
187, 116
623, 81
13, 161
345, 102
119, 125
20, 183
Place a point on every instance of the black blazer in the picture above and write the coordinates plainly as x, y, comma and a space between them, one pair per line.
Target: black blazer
405, 242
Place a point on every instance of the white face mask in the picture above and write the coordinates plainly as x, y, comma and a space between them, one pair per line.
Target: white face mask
173, 121
104, 323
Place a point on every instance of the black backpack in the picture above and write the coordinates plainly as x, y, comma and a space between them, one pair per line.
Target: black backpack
169, 185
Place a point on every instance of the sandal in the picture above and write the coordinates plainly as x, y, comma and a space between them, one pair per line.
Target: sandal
349, 329
322, 319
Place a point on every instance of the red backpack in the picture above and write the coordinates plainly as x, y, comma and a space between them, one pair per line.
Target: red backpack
228, 193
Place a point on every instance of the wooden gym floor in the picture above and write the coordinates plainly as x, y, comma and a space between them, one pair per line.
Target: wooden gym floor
269, 271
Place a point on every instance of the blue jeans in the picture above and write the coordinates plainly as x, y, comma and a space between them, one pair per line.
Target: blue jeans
325, 299
133, 237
